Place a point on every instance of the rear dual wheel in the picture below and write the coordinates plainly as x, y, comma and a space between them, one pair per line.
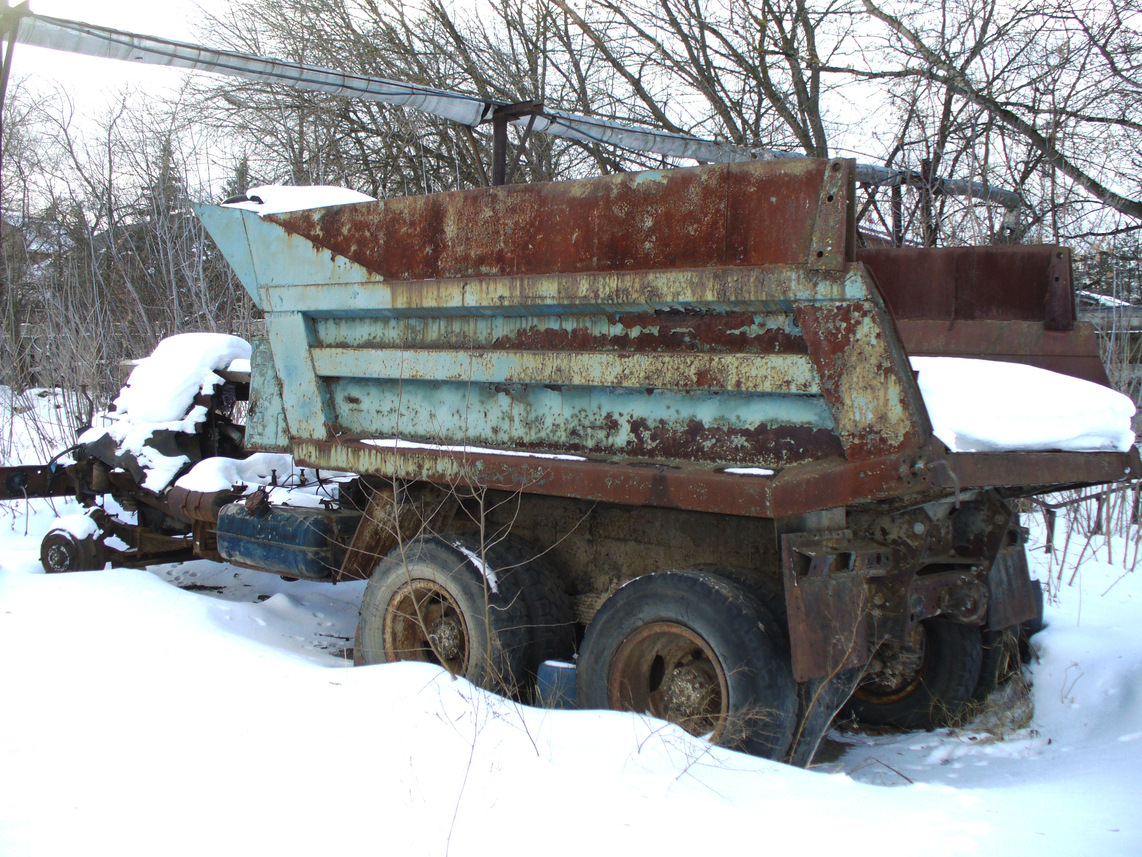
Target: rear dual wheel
697, 650
924, 682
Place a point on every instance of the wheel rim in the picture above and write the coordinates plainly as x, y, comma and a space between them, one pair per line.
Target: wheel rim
669, 671
895, 670
423, 622
60, 555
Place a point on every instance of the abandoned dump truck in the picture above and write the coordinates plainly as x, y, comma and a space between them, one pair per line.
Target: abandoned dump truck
661, 424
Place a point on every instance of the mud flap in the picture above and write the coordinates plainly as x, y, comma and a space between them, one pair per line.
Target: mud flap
826, 600
1012, 598
818, 702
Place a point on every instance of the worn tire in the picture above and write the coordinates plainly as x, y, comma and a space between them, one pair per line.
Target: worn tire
61, 551
698, 650
430, 601
931, 695
550, 622
999, 660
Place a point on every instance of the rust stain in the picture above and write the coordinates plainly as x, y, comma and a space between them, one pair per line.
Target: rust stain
665, 330
861, 373
698, 217
771, 445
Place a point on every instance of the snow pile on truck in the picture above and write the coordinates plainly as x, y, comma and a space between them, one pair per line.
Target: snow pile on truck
994, 406
278, 199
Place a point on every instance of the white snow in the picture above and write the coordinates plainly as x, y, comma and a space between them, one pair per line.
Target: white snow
277, 199
79, 525
1104, 300
749, 471
200, 708
225, 721
481, 566
991, 406
219, 474
162, 387
287, 484
398, 443
36, 424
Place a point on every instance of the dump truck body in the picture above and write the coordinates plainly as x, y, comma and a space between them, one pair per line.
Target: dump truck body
635, 411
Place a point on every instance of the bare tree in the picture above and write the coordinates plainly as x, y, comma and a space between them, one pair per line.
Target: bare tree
1064, 83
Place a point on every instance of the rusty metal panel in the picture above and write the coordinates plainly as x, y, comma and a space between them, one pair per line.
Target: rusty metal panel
264, 255
1071, 352
35, 480
774, 373
1030, 469
266, 428
727, 290
671, 426
1020, 283
826, 600
665, 325
865, 377
753, 213
805, 488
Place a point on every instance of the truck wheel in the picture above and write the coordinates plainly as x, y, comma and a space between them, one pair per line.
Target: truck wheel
61, 551
550, 622
430, 601
1000, 660
924, 684
697, 650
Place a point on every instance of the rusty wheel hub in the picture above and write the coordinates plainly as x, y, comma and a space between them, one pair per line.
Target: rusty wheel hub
666, 669
895, 669
423, 622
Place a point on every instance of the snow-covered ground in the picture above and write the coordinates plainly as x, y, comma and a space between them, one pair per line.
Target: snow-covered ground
200, 708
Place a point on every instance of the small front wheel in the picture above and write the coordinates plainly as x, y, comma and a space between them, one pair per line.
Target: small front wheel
697, 650
66, 550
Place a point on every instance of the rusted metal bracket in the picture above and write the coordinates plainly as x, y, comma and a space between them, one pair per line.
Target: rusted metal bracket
500, 118
829, 245
1011, 595
1060, 303
826, 600
957, 594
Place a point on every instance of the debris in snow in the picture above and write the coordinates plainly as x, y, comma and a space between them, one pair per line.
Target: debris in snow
991, 406
1102, 300
277, 199
159, 396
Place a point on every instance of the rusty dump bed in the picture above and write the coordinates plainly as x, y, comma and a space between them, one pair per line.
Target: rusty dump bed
656, 330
